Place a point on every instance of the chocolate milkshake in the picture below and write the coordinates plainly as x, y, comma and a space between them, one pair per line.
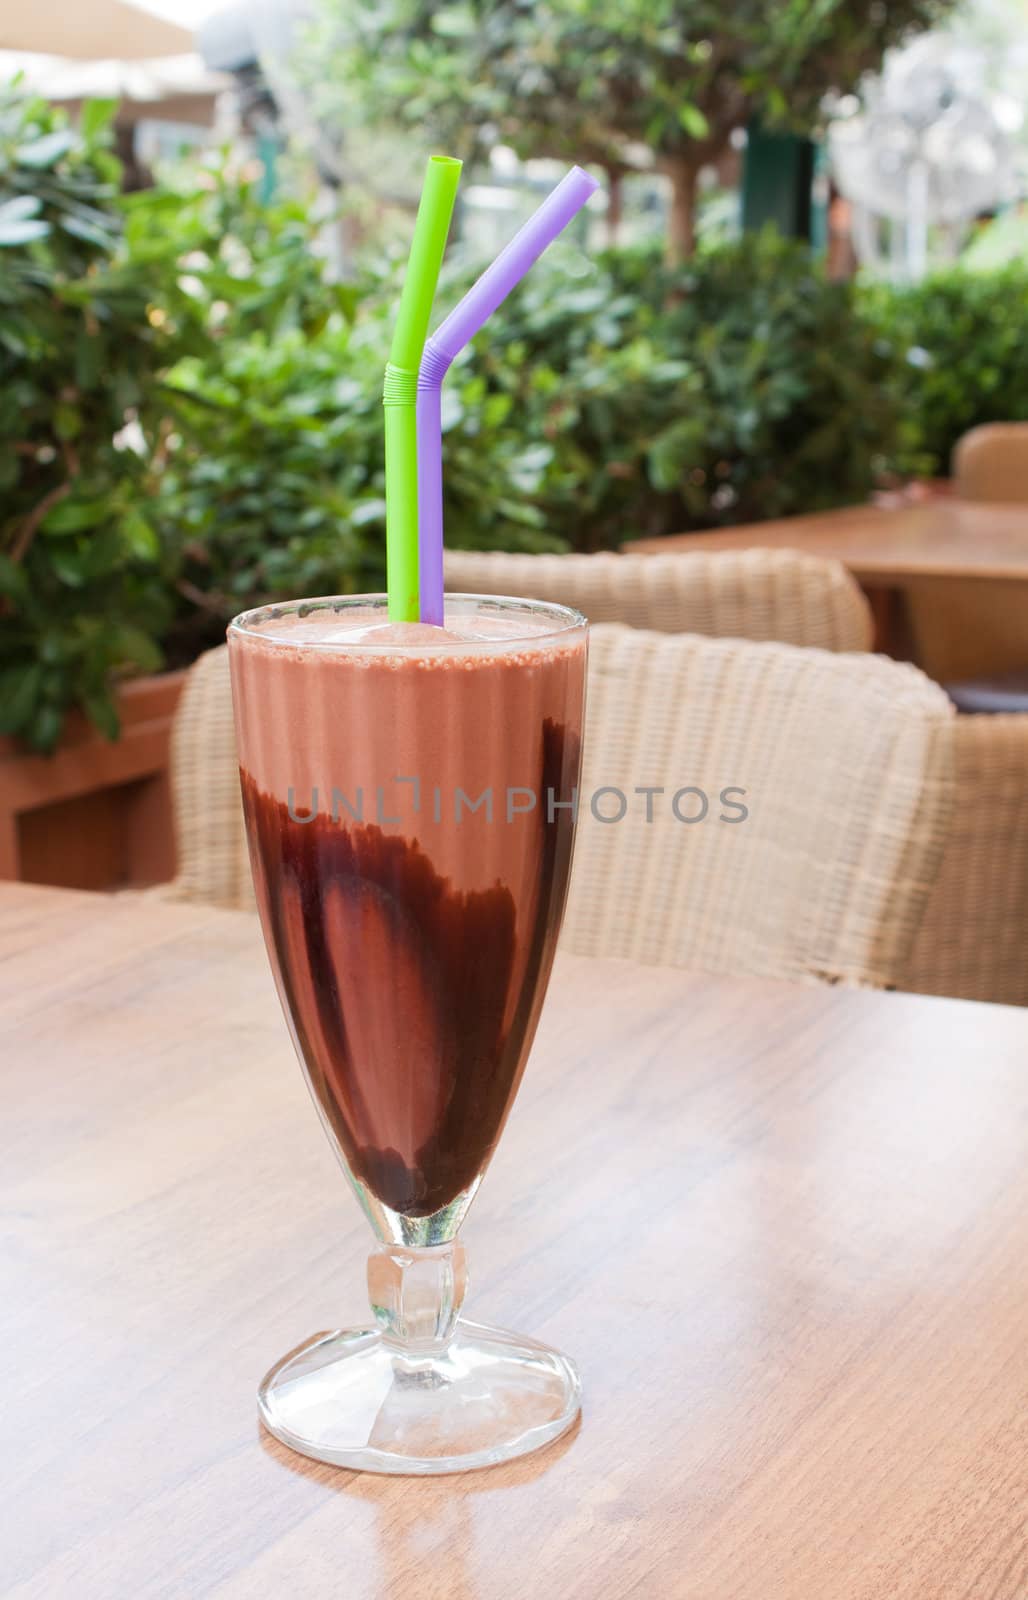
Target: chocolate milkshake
409, 796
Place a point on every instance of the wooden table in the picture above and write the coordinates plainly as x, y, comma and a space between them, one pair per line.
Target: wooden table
962, 569
784, 1230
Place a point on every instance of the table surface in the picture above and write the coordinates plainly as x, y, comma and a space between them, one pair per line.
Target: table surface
936, 539
783, 1230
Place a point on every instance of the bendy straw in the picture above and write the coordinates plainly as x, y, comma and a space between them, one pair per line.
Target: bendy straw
446, 343
399, 391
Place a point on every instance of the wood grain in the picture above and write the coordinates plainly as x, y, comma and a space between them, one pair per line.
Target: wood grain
782, 1229
941, 538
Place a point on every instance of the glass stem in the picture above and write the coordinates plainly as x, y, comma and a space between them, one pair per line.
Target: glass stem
416, 1295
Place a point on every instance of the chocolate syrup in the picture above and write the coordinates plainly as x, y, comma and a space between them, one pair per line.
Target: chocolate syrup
413, 1003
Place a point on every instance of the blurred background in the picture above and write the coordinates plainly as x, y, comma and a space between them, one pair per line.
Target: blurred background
801, 283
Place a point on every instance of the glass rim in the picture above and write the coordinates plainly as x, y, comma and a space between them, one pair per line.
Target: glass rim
246, 625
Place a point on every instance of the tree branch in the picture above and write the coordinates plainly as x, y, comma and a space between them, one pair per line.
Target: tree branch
27, 531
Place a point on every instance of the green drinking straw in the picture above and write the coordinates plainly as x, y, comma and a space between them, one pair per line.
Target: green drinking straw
400, 390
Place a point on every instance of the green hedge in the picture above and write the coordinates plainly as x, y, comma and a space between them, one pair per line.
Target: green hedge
276, 485
606, 401
104, 302
81, 591
740, 387
957, 345
190, 419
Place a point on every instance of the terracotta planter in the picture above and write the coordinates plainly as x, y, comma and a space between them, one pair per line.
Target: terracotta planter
96, 814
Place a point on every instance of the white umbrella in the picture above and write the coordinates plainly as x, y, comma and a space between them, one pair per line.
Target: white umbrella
89, 30
171, 88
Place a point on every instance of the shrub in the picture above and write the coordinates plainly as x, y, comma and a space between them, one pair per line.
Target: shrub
607, 399
190, 420
743, 385
80, 570
275, 485
100, 295
957, 346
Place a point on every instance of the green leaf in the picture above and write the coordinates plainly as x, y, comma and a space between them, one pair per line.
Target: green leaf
693, 121
130, 644
72, 516
19, 688
96, 117
46, 151
91, 232
52, 647
13, 582
69, 566
88, 353
368, 511
673, 452
20, 207
454, 22
139, 536
347, 298
22, 231
102, 712
67, 421
45, 728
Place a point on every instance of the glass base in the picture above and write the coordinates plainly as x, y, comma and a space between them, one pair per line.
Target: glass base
356, 1400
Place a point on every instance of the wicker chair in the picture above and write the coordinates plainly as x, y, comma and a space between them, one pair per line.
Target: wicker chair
973, 942
213, 866
748, 594
991, 463
845, 763
974, 936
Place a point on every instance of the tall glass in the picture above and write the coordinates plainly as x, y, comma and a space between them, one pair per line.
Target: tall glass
410, 797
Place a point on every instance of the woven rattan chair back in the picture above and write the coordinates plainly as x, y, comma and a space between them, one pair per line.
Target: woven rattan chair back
213, 866
991, 463
844, 763
746, 594
973, 942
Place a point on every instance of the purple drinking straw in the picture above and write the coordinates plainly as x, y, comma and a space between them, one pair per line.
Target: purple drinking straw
460, 326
